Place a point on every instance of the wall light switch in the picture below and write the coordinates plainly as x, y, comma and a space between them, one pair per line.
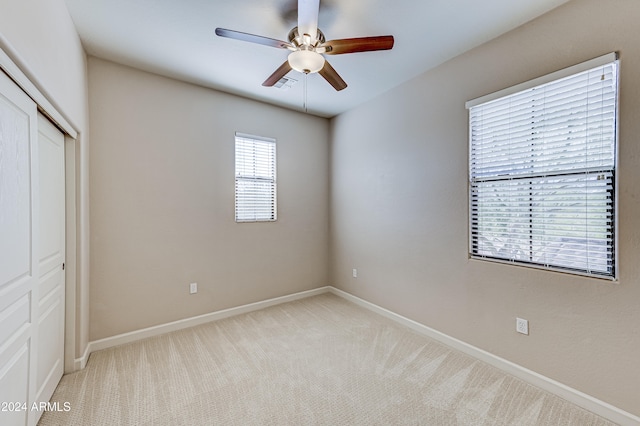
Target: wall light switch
193, 288
355, 273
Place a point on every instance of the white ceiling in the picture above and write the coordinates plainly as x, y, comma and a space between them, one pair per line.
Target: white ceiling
176, 38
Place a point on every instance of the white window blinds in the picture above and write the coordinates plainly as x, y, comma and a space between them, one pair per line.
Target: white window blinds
542, 174
255, 178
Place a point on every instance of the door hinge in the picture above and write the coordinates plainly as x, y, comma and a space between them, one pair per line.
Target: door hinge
63, 266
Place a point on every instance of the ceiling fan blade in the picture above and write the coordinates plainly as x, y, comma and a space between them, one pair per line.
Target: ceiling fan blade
359, 44
332, 76
308, 11
252, 38
277, 74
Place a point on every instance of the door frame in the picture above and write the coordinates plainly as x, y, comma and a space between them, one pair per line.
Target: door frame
30, 87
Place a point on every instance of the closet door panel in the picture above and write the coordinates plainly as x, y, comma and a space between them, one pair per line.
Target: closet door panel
18, 247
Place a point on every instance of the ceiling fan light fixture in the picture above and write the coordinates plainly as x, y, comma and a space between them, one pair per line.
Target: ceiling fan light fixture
306, 61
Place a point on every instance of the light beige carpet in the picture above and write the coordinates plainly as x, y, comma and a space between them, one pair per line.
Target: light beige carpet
316, 361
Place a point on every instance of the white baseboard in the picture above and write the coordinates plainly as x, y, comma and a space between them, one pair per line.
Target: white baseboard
132, 336
574, 396
81, 363
565, 392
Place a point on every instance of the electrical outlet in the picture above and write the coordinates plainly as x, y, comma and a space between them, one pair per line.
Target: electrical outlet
522, 326
355, 273
193, 288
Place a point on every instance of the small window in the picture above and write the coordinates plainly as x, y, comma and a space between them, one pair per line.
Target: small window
542, 165
255, 178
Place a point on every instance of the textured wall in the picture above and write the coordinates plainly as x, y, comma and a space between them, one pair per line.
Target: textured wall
162, 202
399, 210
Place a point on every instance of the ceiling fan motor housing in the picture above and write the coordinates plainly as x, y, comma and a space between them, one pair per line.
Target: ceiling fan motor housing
298, 40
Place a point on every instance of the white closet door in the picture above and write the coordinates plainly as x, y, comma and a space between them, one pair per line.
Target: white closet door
31, 257
51, 294
18, 252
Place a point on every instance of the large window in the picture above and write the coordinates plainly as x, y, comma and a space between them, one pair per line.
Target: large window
255, 178
542, 167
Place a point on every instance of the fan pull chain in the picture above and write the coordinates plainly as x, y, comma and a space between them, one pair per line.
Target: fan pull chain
304, 101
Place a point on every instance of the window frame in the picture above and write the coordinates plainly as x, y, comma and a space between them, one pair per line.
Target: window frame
558, 75
272, 180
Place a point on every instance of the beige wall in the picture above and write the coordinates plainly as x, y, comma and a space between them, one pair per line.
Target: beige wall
162, 202
399, 210
39, 36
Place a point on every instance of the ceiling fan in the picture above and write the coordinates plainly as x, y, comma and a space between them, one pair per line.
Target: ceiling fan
308, 44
